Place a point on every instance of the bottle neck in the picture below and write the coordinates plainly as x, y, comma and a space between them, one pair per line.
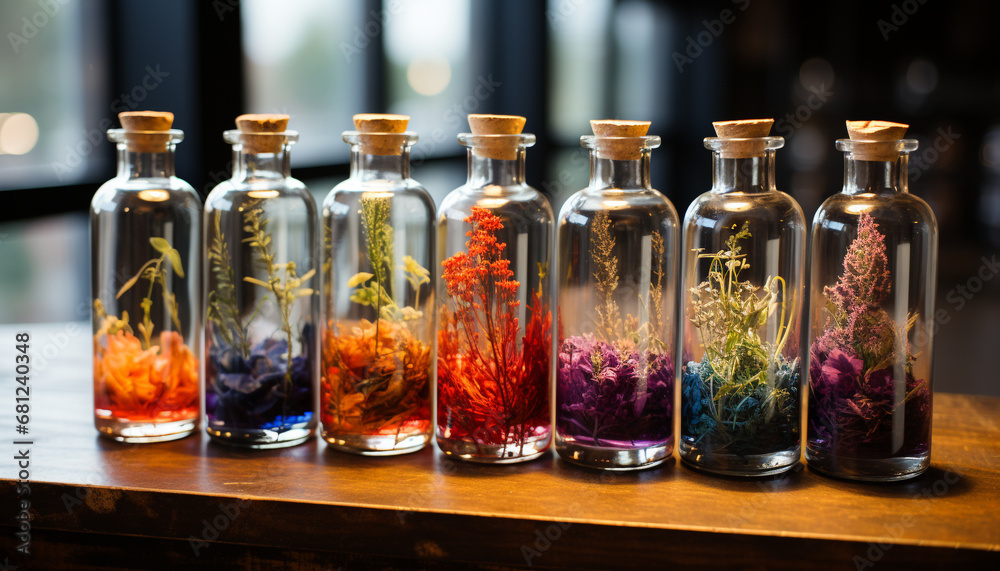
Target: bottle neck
875, 177
619, 175
248, 166
484, 171
753, 174
366, 166
133, 165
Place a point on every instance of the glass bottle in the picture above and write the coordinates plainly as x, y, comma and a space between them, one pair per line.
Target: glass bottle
874, 271
744, 245
146, 288
617, 251
494, 322
378, 296
261, 258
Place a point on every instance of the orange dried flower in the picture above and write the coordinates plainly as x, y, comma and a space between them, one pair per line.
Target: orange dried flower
375, 380
155, 384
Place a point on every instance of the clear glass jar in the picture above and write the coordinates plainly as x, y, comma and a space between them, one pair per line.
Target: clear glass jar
261, 262
494, 322
146, 288
617, 251
744, 244
379, 302
874, 272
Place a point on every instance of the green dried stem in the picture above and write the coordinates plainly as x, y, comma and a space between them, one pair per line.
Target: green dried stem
609, 321
223, 307
656, 291
375, 288
155, 272
286, 288
728, 312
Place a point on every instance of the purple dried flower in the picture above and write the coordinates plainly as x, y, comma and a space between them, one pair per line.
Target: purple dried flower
600, 401
854, 406
840, 372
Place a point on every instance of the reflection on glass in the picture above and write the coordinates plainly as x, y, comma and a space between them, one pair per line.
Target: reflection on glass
48, 132
307, 59
429, 73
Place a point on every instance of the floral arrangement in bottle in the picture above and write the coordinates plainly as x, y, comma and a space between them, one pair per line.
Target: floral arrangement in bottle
262, 385
616, 386
145, 377
855, 364
742, 398
375, 373
489, 392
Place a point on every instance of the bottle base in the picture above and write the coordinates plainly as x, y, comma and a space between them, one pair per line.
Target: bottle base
145, 432
376, 445
262, 439
613, 459
750, 466
867, 469
494, 454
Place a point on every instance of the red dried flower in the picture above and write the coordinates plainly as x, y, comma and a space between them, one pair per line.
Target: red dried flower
490, 391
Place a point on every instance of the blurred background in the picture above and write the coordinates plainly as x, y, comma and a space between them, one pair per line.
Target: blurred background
69, 66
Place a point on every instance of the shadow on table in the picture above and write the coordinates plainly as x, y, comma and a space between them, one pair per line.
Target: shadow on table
794, 479
934, 483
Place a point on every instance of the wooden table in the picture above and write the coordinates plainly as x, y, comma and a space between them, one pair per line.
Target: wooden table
190, 503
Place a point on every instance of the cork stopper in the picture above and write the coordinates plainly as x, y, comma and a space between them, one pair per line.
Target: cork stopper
628, 147
745, 129
262, 123
503, 148
381, 129
146, 131
881, 138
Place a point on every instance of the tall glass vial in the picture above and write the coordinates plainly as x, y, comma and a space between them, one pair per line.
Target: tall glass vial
378, 296
145, 280
494, 323
874, 271
617, 252
261, 262
744, 245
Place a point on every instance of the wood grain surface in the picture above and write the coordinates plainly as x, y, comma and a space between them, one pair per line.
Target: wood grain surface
189, 503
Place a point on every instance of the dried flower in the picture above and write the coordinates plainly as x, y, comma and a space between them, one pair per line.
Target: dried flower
155, 384
375, 380
612, 397
489, 391
135, 378
743, 396
252, 392
855, 362
375, 373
